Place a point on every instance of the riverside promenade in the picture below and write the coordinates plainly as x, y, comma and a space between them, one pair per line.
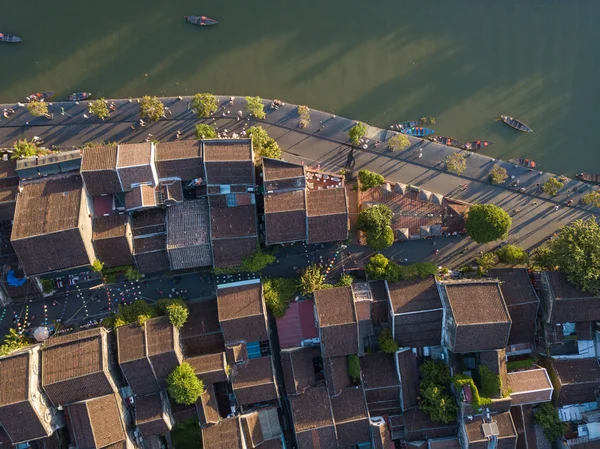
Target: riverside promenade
325, 143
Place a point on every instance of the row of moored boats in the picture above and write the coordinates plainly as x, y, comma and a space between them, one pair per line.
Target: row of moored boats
43, 96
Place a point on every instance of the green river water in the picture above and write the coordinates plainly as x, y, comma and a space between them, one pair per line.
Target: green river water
464, 62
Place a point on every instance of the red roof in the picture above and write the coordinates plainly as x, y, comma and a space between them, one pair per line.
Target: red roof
297, 324
102, 205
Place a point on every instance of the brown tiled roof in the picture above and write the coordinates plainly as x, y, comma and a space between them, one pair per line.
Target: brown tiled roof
8, 169
179, 159
207, 406
7, 211
101, 157
236, 352
131, 342
98, 168
110, 240
230, 173
203, 344
152, 262
8, 193
568, 303
203, 319
378, 371
228, 222
14, 372
188, 235
414, 296
336, 374
444, 443
529, 387
231, 252
97, 422
327, 228
73, 367
417, 330
337, 321
321, 438
276, 169
298, 369
418, 426
46, 206
578, 381
140, 376
149, 415
131, 349
140, 196
162, 341
149, 221
227, 150
311, 409
142, 245
409, 378
285, 202
381, 436
254, 382
133, 154
283, 227
326, 202
274, 443
4, 439
210, 368
350, 416
241, 313
506, 428
226, 434
252, 430
110, 227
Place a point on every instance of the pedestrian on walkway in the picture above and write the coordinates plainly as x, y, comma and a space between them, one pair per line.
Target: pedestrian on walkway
168, 110
142, 123
178, 135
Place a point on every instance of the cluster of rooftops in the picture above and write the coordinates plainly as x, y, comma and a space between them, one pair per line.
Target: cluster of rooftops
109, 388
175, 205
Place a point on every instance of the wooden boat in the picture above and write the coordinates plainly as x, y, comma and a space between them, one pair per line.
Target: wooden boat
406, 125
516, 124
417, 131
39, 96
202, 21
10, 38
79, 96
477, 145
523, 162
447, 141
589, 177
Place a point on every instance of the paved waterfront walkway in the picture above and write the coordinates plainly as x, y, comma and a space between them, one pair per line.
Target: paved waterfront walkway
325, 143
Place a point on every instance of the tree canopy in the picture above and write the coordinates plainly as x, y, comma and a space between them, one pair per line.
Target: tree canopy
552, 186
487, 222
151, 108
369, 179
311, 280
398, 142
37, 108
547, 417
511, 254
456, 163
576, 252
24, 148
354, 367
257, 261
386, 342
99, 108
255, 107
204, 104
376, 222
97, 266
487, 261
205, 131
592, 198
498, 174
178, 315
380, 267
357, 132
183, 385
263, 144
434, 386
278, 293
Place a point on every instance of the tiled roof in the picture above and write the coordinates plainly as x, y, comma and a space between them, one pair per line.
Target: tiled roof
570, 304
252, 429
73, 367
101, 157
283, 227
162, 340
417, 330
134, 154
8, 169
321, 438
14, 372
111, 241
254, 382
336, 374
506, 428
444, 443
236, 353
98, 169
140, 196
297, 324
210, 368
298, 369
326, 202
350, 416
327, 228
285, 202
274, 169
149, 415
231, 252
131, 350
228, 222
227, 150
311, 409
418, 426
409, 378
578, 381
226, 434
208, 408
529, 387
241, 313
179, 159
201, 333
110, 227
152, 262
149, 222
188, 235
230, 173
47, 206
147, 244
414, 296
381, 436
96, 423
337, 321
378, 371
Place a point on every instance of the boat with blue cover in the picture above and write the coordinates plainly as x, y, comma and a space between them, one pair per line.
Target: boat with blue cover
418, 131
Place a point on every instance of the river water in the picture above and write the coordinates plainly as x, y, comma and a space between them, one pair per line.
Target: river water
464, 62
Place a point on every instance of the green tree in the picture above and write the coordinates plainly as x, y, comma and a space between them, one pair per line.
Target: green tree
257, 261
498, 174
456, 163
381, 239
183, 385
99, 108
357, 132
434, 388
97, 266
204, 104
311, 280
132, 274
13, 341
487, 261
374, 218
37, 108
255, 106
486, 223
369, 179
491, 385
354, 367
552, 186
377, 267
345, 281
304, 114
177, 314
151, 108
575, 251
511, 254
205, 131
24, 148
592, 198
547, 417
263, 144
398, 142
386, 343
278, 293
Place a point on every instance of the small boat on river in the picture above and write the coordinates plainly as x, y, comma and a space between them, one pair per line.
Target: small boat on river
10, 38
418, 131
523, 162
202, 21
406, 125
79, 96
447, 141
477, 145
516, 124
39, 96
589, 177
